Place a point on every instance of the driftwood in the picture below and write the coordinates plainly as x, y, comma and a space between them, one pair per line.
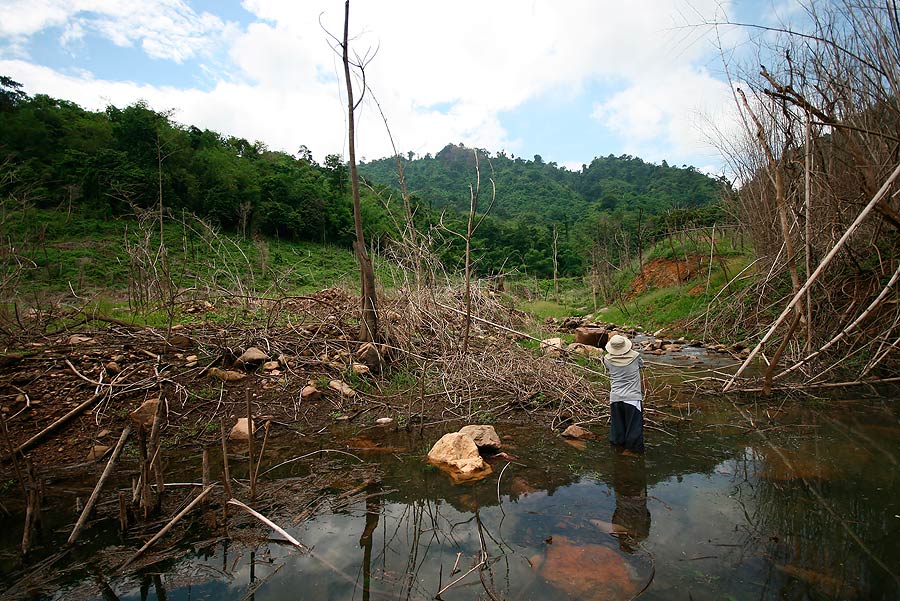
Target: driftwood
34, 440
815, 275
268, 523
843, 333
169, 526
100, 482
226, 475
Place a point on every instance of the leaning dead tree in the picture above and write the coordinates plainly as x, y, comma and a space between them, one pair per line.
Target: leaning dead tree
820, 166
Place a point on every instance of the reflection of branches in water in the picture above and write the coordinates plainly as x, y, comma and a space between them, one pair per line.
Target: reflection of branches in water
802, 530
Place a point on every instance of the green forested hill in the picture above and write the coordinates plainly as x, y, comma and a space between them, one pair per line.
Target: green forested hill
120, 163
526, 187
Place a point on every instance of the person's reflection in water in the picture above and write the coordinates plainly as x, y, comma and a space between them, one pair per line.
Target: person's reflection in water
631, 516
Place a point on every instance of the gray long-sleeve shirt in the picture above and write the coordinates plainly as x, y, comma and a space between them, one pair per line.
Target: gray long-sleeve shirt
625, 382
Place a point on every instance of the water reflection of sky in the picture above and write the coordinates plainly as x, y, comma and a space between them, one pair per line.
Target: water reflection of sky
725, 520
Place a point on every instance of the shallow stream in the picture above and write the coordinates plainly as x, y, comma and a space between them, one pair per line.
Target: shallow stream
806, 506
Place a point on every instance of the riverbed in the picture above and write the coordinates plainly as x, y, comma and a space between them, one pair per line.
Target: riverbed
797, 499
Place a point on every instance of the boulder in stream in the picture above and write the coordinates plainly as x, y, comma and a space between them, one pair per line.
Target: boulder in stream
457, 455
482, 435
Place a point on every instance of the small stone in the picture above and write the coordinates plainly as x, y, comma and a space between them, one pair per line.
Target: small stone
79, 339
144, 414
577, 432
252, 356
271, 365
21, 398
191, 364
457, 454
552, 347
241, 429
384, 421
360, 368
97, 451
310, 393
342, 387
180, 341
226, 375
113, 368
191, 358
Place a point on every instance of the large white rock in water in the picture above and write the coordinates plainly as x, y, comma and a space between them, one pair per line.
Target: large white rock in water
483, 436
457, 454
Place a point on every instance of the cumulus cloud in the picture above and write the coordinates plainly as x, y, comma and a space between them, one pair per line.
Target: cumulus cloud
165, 29
680, 113
443, 72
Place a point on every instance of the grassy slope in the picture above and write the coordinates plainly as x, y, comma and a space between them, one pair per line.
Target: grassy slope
55, 254
50, 255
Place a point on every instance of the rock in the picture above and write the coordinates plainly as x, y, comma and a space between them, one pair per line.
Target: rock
180, 341
341, 387
672, 348
457, 455
271, 365
226, 375
310, 393
482, 436
144, 414
21, 398
552, 347
584, 349
586, 570
112, 367
242, 429
79, 339
251, 357
360, 368
192, 358
591, 336
368, 354
578, 432
738, 346
97, 451
384, 421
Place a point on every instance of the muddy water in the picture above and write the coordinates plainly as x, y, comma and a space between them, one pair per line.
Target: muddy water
805, 508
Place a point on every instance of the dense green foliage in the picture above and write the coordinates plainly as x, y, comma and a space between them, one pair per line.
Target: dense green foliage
622, 197
534, 187
110, 163
122, 162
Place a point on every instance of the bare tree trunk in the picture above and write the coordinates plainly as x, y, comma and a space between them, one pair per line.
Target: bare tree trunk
368, 323
555, 264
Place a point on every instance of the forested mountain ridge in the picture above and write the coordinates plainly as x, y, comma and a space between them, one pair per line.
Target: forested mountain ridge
533, 187
120, 162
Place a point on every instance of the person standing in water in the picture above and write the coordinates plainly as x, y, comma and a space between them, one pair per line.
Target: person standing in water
626, 418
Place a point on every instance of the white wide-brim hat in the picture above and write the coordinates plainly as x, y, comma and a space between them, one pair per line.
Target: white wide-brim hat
618, 345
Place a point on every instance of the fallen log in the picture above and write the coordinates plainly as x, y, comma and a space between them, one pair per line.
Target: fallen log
100, 482
34, 440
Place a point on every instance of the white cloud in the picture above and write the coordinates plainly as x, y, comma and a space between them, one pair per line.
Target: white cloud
166, 29
673, 114
472, 59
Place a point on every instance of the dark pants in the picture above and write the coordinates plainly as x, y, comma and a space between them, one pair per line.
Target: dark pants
626, 426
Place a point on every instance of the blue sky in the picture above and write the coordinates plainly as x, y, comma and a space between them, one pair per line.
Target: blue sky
567, 80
